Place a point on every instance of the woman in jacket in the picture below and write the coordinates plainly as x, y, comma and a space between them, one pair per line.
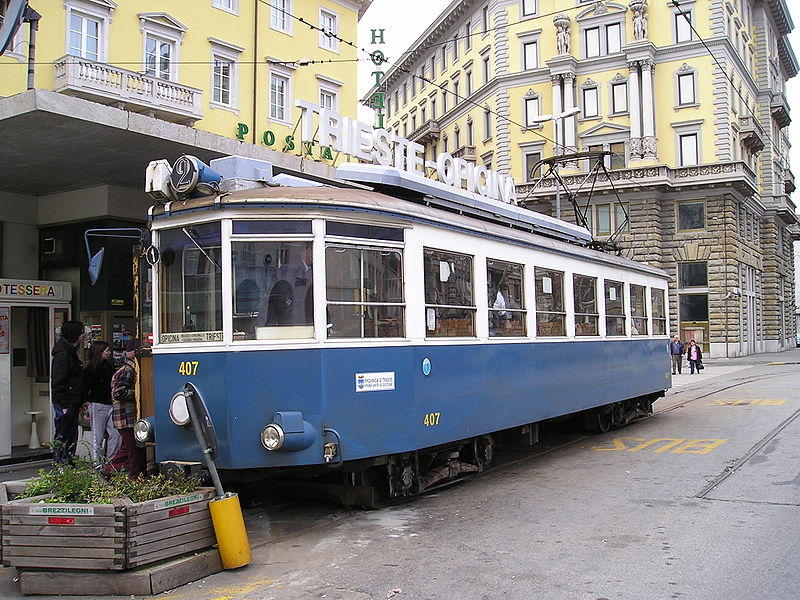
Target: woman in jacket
97, 378
695, 357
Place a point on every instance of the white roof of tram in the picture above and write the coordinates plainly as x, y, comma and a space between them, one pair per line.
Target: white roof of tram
402, 184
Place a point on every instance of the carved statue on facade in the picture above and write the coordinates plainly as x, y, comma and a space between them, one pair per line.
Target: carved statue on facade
561, 21
639, 9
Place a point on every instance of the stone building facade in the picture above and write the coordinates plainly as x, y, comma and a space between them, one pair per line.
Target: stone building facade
687, 104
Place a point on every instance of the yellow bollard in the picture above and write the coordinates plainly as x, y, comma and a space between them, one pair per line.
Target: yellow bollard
226, 515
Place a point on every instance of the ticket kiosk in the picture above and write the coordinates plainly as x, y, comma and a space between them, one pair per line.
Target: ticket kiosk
31, 314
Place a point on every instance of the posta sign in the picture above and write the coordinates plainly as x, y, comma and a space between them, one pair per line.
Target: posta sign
379, 146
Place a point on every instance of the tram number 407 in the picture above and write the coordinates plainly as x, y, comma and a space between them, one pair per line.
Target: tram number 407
431, 419
188, 367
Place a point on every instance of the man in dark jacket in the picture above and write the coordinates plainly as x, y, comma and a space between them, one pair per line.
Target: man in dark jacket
69, 393
676, 353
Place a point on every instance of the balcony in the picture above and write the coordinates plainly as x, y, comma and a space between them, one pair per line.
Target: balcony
426, 133
788, 181
752, 134
466, 152
779, 108
106, 84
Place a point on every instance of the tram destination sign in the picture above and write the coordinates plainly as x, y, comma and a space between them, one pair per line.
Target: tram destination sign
332, 131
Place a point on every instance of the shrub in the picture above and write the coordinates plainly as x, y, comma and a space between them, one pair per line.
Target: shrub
83, 484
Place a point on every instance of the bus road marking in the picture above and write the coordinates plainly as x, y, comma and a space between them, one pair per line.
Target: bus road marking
749, 402
673, 445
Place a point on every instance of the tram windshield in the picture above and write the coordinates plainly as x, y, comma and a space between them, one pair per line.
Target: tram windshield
190, 284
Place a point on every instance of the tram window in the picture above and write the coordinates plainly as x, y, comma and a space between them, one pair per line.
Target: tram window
273, 290
449, 301
615, 308
271, 227
584, 290
638, 310
659, 311
190, 284
364, 292
550, 314
357, 230
506, 299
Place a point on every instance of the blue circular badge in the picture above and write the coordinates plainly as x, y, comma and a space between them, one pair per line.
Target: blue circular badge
426, 366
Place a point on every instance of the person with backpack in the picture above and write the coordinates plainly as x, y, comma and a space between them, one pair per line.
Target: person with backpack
130, 457
68, 391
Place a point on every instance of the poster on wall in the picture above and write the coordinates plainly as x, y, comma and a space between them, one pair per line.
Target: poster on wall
5, 329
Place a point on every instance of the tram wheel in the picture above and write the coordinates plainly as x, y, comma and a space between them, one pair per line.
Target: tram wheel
598, 420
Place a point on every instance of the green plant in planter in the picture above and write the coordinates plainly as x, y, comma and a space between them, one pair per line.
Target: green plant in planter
81, 483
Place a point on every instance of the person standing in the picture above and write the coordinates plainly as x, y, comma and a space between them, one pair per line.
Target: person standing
695, 357
676, 353
123, 396
68, 391
97, 376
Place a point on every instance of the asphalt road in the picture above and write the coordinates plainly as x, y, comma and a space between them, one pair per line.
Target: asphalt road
700, 501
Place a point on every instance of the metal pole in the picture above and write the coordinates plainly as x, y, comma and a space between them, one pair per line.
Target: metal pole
32, 17
557, 165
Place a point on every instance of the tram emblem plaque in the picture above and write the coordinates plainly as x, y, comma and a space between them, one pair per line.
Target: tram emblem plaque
374, 382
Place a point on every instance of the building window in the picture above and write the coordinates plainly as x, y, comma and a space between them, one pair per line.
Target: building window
606, 219
619, 98
449, 304
584, 291
279, 15
455, 48
279, 97
158, 57
228, 5
693, 307
659, 308
529, 7
691, 215
615, 308
84, 36
487, 125
364, 291
468, 36
506, 299
223, 81
433, 108
485, 20
591, 102
688, 150
618, 154
638, 310
486, 69
550, 313
327, 99
470, 136
456, 96
683, 28
530, 55
686, 93
692, 274
592, 41
329, 24
533, 170
468, 82
613, 38
531, 111
444, 98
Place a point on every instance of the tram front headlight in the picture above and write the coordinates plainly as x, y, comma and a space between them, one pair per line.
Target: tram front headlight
143, 431
179, 410
272, 437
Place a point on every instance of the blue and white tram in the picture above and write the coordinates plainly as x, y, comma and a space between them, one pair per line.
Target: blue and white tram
330, 328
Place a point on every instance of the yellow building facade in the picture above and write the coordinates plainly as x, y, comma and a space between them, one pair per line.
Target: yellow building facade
686, 102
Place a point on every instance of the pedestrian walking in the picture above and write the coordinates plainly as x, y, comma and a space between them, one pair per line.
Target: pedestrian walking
68, 391
695, 357
123, 394
98, 374
676, 353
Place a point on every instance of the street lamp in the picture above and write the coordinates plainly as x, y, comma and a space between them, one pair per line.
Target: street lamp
557, 121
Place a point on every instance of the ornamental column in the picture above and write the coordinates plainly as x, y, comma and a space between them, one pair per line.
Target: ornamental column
569, 122
558, 147
649, 142
635, 110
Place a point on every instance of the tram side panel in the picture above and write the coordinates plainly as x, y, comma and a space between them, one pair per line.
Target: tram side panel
469, 390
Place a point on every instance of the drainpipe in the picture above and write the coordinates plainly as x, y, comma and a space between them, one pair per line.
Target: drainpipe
255, 68
32, 17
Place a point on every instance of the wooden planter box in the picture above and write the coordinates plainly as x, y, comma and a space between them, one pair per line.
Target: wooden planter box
118, 536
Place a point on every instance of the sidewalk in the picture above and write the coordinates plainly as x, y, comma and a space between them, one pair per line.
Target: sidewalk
720, 367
